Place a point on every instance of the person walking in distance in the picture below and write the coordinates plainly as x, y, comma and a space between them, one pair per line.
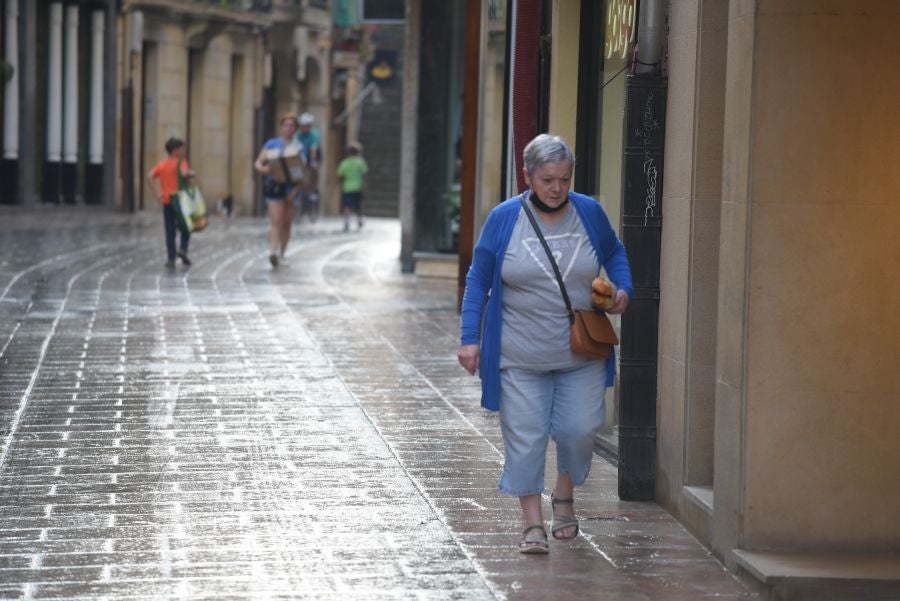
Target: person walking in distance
520, 340
308, 136
352, 172
163, 179
278, 196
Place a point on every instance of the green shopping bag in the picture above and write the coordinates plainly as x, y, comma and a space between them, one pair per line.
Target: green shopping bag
190, 209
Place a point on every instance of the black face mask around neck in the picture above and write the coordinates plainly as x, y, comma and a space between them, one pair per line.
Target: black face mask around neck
543, 207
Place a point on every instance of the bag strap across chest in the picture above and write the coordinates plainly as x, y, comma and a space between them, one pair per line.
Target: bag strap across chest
559, 279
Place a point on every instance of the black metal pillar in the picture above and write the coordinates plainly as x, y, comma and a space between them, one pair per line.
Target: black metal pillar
645, 110
28, 131
110, 46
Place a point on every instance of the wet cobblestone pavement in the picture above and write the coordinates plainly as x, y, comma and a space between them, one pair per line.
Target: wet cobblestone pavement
237, 432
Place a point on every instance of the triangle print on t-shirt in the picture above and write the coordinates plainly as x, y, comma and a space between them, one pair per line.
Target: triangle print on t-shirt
565, 249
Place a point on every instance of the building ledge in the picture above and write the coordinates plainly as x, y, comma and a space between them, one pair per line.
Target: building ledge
701, 496
436, 265
209, 12
824, 576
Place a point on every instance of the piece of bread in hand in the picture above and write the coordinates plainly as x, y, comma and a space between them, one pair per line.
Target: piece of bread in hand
603, 293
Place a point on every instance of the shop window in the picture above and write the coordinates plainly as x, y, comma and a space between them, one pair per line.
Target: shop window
606, 39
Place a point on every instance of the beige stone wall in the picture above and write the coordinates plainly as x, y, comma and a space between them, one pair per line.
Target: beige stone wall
689, 263
822, 382
675, 251
246, 80
165, 104
210, 101
728, 466
778, 396
222, 149
224, 85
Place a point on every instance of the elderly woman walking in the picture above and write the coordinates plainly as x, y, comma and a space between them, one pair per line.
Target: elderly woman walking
520, 342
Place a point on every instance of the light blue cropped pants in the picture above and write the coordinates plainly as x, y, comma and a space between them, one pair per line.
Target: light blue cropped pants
567, 405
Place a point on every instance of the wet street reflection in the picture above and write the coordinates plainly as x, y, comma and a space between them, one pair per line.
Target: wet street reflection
234, 431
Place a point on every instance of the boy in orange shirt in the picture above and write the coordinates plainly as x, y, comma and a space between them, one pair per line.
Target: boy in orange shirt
164, 181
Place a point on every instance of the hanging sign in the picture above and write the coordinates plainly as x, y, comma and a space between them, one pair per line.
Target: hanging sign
620, 28
383, 67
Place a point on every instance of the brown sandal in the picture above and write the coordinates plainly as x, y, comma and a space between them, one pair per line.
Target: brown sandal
534, 546
561, 522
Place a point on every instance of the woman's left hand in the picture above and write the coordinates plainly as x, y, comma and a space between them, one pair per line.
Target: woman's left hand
469, 356
621, 303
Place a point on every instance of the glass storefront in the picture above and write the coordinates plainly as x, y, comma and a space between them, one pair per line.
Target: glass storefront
491, 186
607, 41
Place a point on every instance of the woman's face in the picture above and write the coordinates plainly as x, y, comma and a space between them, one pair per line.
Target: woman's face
550, 182
288, 129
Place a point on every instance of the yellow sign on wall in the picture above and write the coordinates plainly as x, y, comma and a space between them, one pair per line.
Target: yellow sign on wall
620, 29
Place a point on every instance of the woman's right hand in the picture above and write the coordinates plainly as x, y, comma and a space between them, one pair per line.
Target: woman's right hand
264, 169
469, 356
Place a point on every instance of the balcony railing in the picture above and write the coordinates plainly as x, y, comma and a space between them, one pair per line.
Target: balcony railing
259, 6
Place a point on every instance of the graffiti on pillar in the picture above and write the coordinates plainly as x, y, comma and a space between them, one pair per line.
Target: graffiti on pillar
620, 29
649, 125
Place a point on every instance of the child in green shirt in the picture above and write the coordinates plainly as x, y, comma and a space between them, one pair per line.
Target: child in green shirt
352, 173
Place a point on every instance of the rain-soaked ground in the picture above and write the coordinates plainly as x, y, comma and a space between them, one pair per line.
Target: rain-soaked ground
231, 431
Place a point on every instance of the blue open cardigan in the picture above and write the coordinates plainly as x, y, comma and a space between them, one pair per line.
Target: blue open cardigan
484, 277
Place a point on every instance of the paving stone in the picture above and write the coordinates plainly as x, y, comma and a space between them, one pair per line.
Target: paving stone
231, 431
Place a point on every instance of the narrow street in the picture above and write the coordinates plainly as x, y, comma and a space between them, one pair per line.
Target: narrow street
230, 431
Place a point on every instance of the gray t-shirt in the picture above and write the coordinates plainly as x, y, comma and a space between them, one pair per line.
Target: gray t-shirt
535, 327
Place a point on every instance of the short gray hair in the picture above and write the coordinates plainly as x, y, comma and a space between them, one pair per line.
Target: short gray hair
544, 149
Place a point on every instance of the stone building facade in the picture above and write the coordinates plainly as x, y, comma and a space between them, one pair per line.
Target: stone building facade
216, 76
92, 89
